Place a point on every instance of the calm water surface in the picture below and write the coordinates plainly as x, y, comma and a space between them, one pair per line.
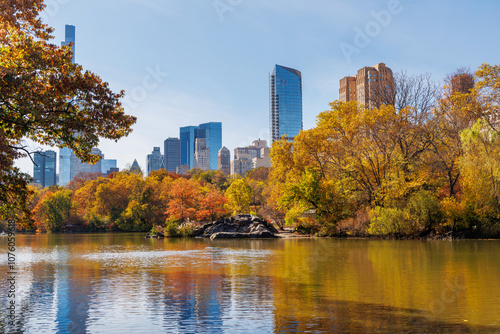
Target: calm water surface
123, 283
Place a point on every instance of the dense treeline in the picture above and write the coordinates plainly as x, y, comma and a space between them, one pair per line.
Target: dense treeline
423, 164
127, 201
426, 164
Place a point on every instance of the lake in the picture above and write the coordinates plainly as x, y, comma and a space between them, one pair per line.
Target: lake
124, 283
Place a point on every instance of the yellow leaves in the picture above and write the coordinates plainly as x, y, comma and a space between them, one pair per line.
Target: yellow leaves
239, 195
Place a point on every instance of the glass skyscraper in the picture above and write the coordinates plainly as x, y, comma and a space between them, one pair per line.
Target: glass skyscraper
154, 161
69, 38
187, 136
212, 132
64, 152
285, 103
172, 151
44, 170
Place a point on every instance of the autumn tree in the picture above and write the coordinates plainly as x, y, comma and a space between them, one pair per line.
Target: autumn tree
184, 195
54, 210
115, 195
212, 205
46, 98
480, 166
239, 196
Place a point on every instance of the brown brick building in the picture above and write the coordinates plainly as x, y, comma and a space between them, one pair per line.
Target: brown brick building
367, 86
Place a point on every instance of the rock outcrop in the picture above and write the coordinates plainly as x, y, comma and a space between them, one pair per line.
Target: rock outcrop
238, 226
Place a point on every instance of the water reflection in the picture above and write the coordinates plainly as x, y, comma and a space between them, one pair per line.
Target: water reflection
118, 283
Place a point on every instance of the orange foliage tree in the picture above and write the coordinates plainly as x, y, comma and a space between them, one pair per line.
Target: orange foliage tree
184, 195
212, 206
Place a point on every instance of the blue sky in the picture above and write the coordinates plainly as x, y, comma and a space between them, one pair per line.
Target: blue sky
211, 59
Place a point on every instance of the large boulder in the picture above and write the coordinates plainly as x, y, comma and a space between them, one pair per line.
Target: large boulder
238, 226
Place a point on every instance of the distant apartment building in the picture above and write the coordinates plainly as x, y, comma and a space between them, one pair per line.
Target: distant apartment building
44, 169
154, 161
264, 160
212, 132
224, 161
368, 86
241, 166
172, 154
201, 154
250, 157
285, 105
347, 90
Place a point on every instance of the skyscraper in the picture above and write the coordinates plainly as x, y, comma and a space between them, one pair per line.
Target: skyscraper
172, 152
187, 137
285, 109
202, 154
77, 166
154, 160
212, 132
107, 165
44, 170
64, 152
65, 166
69, 38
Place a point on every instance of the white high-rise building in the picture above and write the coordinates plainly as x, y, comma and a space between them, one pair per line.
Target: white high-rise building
201, 154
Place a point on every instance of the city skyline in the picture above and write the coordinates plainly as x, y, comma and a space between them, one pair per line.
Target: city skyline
218, 68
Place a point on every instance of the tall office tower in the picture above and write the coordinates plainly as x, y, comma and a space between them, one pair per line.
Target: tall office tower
202, 154
212, 132
155, 160
64, 166
224, 160
187, 137
285, 109
77, 166
108, 165
172, 152
69, 38
64, 152
44, 170
371, 85
135, 168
